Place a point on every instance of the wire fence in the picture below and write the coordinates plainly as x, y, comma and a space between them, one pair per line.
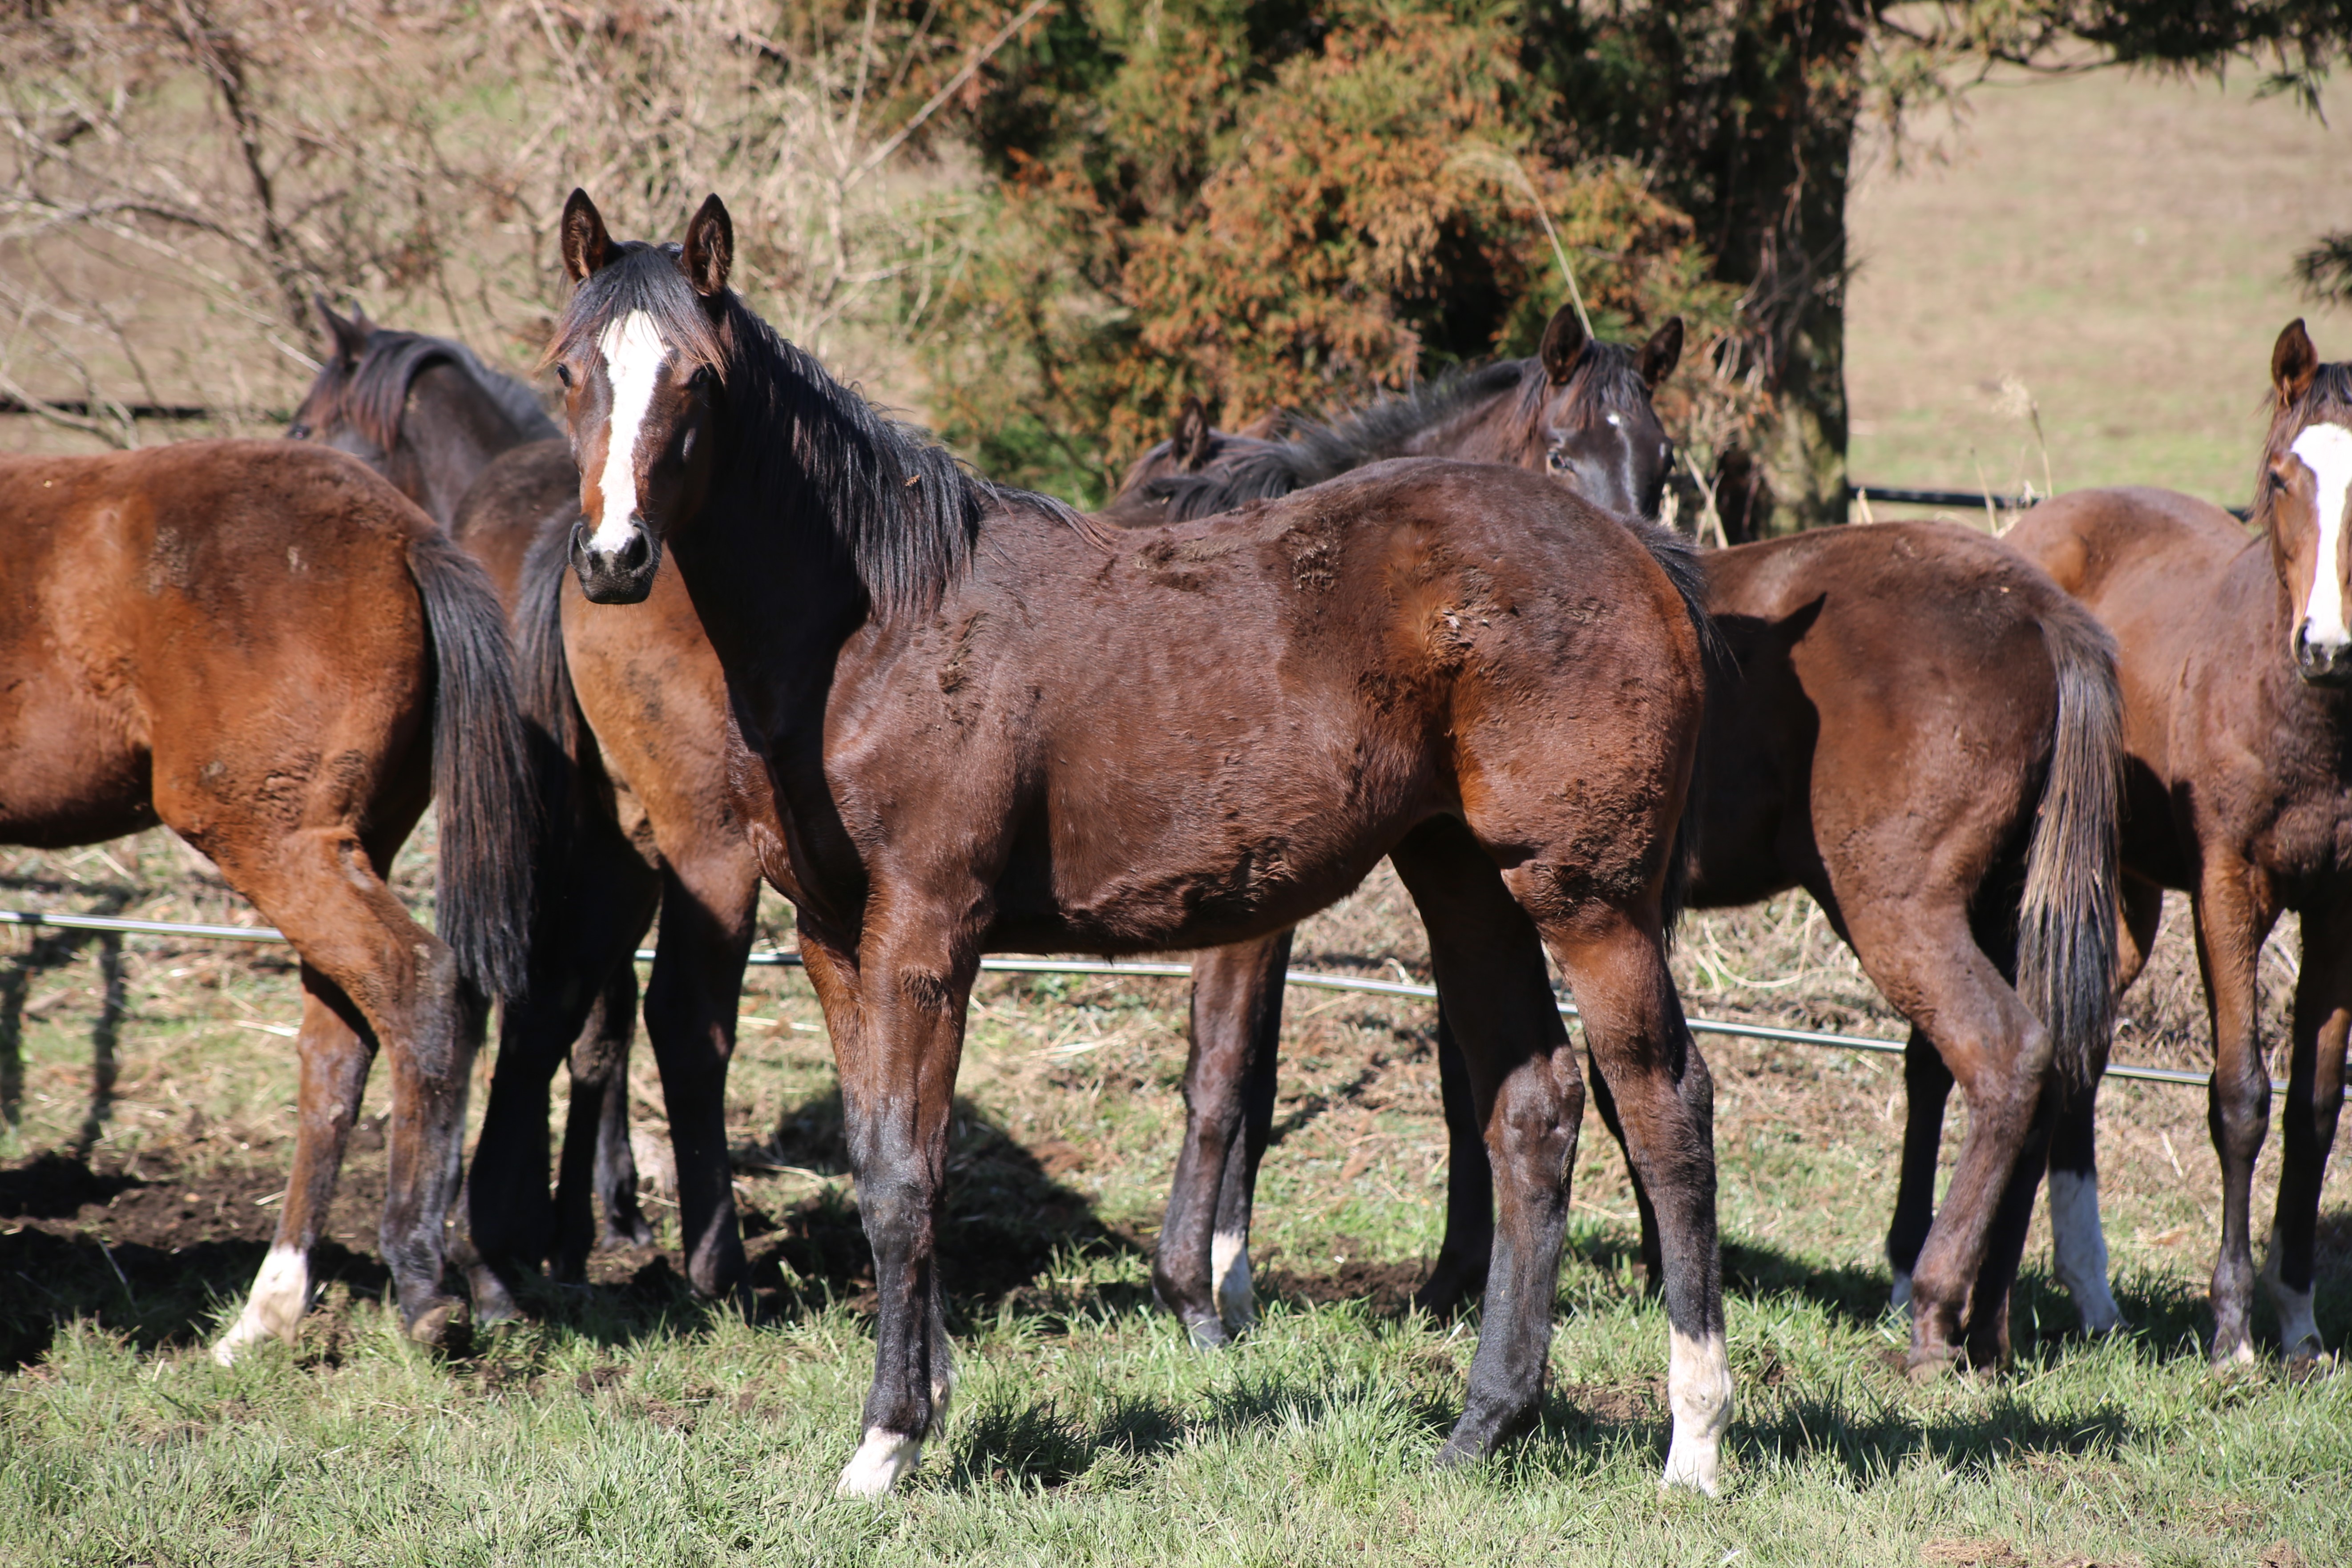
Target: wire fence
1146, 970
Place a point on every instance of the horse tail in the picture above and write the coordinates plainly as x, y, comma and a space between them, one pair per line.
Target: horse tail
557, 731
1679, 558
481, 772
2067, 925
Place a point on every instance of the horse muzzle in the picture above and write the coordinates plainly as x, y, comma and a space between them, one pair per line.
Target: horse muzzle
2322, 663
621, 575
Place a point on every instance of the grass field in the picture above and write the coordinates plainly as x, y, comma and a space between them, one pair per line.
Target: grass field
630, 1422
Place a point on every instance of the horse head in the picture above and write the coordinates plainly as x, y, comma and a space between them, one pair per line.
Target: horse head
2302, 494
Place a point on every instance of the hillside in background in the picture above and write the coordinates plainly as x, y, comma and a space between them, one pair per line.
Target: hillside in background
2121, 245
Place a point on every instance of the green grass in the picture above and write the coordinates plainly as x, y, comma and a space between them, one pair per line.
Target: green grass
630, 1422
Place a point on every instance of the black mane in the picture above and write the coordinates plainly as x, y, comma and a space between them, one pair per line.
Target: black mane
1387, 428
2327, 399
807, 450
373, 395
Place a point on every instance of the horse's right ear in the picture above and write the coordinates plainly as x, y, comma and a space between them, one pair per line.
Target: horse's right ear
349, 337
709, 253
1195, 430
587, 249
1563, 345
2293, 364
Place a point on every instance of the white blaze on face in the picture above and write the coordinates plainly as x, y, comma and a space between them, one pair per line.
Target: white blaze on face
2327, 451
634, 352
281, 1294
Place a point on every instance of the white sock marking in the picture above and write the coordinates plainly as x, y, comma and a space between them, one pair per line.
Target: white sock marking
634, 352
1229, 1266
2078, 1249
1901, 1295
2327, 451
2298, 1332
1698, 1388
280, 1295
881, 1459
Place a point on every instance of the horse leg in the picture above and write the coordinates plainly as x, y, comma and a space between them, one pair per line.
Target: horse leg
334, 1056
709, 895
2314, 1095
319, 886
1947, 976
1615, 962
1926, 1088
597, 1162
597, 898
2233, 915
2078, 1245
1200, 1270
1527, 1096
1653, 1262
896, 1015
611, 1028
1460, 1272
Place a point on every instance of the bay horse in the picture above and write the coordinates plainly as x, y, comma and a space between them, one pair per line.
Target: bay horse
1914, 725
267, 649
471, 443
2236, 657
985, 725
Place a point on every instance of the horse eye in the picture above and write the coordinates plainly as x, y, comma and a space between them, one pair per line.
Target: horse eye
564, 373
701, 379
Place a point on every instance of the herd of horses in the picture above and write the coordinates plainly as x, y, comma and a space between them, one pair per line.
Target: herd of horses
731, 623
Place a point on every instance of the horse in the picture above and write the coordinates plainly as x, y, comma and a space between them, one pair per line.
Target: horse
1914, 725
2235, 658
423, 412
474, 446
985, 724
267, 649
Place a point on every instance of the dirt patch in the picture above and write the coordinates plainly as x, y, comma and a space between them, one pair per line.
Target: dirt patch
1351, 1276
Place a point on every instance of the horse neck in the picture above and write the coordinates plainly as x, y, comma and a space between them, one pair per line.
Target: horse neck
450, 430
1490, 429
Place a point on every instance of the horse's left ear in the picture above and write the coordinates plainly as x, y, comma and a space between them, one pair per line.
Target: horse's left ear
1194, 429
2293, 364
710, 248
1563, 345
1662, 352
586, 246
349, 337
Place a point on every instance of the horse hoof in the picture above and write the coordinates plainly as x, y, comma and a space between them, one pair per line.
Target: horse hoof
880, 1460
1208, 1333
2306, 1361
1927, 1363
446, 1325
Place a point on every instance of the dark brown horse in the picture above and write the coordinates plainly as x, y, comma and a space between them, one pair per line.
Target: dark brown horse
630, 713
267, 649
2235, 656
983, 727
1920, 728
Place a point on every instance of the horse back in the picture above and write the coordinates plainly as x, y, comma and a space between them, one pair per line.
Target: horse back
200, 622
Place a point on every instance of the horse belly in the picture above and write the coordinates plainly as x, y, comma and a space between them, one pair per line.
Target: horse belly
67, 775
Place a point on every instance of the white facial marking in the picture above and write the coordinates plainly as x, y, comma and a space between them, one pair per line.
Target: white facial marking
2298, 1332
1698, 1388
281, 1294
1229, 1266
2327, 451
1901, 1295
881, 1459
2078, 1249
634, 352
1613, 419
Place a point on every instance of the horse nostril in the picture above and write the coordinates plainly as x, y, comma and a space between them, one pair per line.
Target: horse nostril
634, 553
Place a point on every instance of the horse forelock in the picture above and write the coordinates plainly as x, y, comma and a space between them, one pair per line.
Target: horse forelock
641, 279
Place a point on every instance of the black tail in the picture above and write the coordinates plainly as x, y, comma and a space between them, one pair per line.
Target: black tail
1679, 558
2066, 926
556, 729
481, 772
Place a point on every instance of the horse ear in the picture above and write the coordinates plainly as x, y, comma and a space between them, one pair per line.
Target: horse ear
1192, 435
710, 248
587, 249
2293, 363
349, 337
1563, 345
1662, 352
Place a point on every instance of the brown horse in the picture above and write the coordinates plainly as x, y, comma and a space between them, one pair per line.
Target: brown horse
449, 431
980, 732
267, 649
2235, 654
1920, 728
